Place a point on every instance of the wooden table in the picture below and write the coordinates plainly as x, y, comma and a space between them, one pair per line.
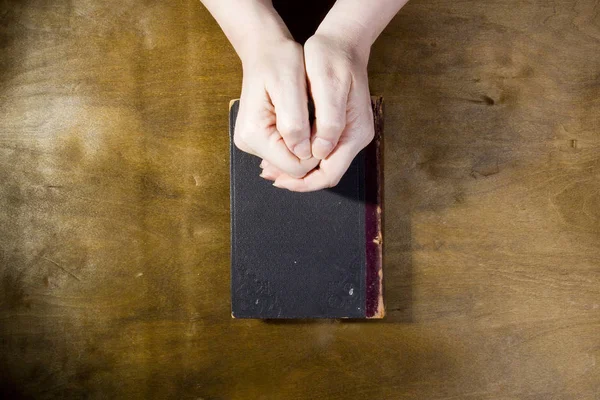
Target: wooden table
114, 218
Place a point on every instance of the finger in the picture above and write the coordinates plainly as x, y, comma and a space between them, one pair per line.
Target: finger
270, 173
330, 96
255, 115
274, 150
290, 100
358, 133
328, 174
256, 133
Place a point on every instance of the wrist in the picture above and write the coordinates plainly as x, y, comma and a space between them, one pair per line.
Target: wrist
261, 27
356, 50
348, 36
266, 48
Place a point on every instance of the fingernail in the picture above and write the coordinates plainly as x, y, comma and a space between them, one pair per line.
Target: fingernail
267, 175
277, 185
302, 150
322, 147
263, 164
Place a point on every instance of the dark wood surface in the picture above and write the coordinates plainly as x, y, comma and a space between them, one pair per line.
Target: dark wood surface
114, 219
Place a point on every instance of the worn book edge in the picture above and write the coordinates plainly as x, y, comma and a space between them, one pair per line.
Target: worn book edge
373, 216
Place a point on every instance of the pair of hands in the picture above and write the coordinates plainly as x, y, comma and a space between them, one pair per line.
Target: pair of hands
273, 122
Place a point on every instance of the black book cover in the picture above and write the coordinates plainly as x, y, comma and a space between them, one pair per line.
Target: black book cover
307, 255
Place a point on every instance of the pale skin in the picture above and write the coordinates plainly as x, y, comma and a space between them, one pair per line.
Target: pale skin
280, 75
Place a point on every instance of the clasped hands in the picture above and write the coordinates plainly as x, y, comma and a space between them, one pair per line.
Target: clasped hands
279, 75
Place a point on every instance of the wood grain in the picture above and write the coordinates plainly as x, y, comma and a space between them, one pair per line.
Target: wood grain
114, 219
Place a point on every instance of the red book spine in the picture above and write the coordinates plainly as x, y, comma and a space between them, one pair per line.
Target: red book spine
373, 216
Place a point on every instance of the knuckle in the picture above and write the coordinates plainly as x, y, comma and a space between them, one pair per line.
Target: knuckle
285, 80
292, 127
241, 134
333, 181
368, 138
239, 143
240, 138
297, 172
332, 126
337, 81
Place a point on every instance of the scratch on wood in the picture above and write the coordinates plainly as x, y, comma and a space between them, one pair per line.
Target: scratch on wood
62, 268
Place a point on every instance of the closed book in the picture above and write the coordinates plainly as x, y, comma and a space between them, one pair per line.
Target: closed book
307, 255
